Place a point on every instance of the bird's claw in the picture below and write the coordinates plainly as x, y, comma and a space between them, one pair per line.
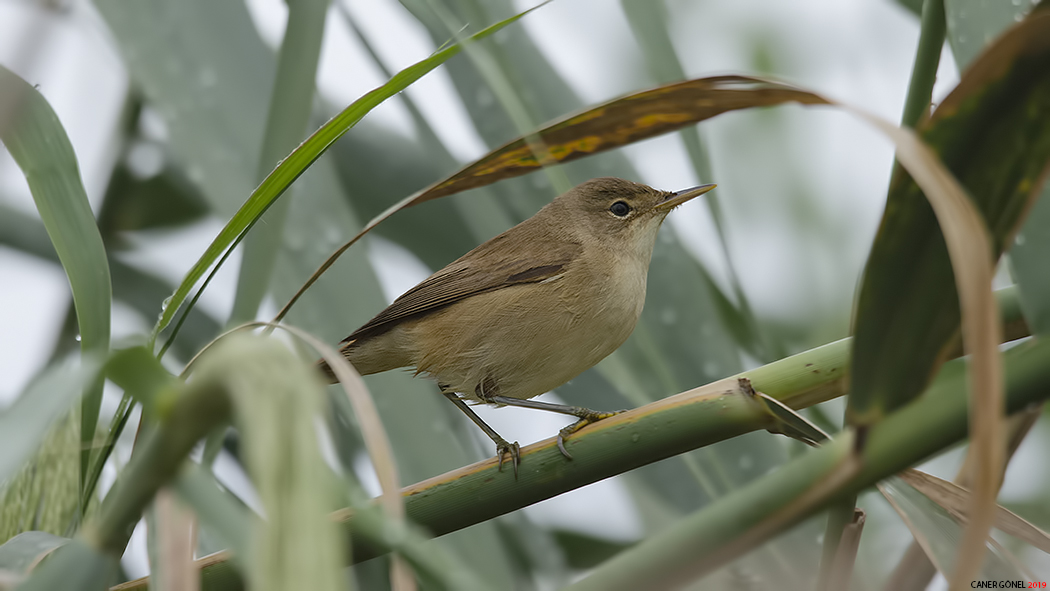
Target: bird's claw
585, 420
503, 447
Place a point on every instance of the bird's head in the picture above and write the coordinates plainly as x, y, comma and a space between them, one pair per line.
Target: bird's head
619, 213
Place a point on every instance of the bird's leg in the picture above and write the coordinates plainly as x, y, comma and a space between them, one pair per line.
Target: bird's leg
502, 446
586, 416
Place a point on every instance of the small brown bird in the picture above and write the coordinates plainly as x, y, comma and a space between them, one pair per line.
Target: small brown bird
531, 308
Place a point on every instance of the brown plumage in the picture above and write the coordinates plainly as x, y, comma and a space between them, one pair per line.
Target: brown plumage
531, 308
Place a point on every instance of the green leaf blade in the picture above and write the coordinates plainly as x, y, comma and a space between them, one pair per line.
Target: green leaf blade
290, 107
22, 553
39, 144
1028, 257
993, 133
26, 422
76, 566
278, 181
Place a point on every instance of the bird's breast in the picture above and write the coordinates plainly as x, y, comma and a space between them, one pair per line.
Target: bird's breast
531, 338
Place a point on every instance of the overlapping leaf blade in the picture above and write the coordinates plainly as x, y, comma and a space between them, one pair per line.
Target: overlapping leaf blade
37, 141
26, 422
993, 133
1029, 257
939, 533
623, 121
317, 219
133, 23
289, 112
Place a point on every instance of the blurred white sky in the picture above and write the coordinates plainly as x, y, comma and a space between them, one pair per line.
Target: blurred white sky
858, 51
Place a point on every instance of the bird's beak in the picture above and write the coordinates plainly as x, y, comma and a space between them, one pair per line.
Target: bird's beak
681, 197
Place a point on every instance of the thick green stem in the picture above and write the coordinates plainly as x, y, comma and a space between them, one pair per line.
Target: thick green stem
927, 59
200, 408
916, 106
833, 472
680, 423
924, 70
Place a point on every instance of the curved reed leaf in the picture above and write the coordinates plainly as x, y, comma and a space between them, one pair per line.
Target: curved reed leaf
993, 133
723, 531
670, 107
451, 502
274, 185
36, 139
24, 424
620, 122
276, 399
22, 553
939, 531
954, 499
75, 566
291, 103
1028, 257
617, 123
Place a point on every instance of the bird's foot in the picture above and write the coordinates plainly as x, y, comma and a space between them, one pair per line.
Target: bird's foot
502, 448
586, 419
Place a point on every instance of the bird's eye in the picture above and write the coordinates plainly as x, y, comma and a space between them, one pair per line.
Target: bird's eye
620, 209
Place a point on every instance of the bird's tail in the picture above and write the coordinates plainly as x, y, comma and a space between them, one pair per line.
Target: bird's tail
326, 370
371, 354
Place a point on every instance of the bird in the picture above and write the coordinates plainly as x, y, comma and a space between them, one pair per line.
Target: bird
528, 310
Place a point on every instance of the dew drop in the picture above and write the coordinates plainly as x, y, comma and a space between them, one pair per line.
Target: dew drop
1019, 240
77, 338
635, 437
164, 305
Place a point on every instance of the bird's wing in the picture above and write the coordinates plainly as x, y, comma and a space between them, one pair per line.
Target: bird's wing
486, 268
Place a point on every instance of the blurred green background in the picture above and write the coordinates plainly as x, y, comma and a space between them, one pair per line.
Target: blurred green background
167, 106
